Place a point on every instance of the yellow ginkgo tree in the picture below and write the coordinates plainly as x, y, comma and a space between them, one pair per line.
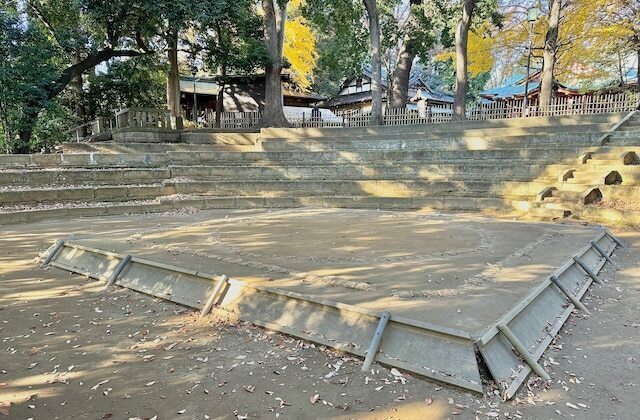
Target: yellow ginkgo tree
299, 47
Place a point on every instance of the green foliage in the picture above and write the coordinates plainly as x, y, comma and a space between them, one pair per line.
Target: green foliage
126, 83
27, 69
342, 41
50, 128
230, 35
484, 11
444, 80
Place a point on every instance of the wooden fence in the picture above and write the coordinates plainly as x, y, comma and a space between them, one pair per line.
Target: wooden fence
161, 118
585, 104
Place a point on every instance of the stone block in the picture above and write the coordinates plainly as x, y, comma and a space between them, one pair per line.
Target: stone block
427, 203
14, 217
144, 191
108, 176
198, 203
110, 193
39, 196
250, 202
220, 202
460, 203
48, 214
76, 194
12, 178
280, 202
51, 160
11, 161
70, 159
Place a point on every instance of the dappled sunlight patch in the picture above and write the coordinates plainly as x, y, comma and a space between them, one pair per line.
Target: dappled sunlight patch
421, 409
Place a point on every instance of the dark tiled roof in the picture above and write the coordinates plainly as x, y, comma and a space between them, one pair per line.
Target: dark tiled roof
353, 98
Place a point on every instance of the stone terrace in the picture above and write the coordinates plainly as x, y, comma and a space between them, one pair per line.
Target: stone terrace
546, 167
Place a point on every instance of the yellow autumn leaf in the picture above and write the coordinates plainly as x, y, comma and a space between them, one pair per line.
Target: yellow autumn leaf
300, 51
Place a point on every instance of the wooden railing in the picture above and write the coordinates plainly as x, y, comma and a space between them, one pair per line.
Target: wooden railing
143, 118
161, 118
86, 131
585, 104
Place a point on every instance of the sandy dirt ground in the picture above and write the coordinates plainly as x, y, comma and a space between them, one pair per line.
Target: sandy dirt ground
72, 350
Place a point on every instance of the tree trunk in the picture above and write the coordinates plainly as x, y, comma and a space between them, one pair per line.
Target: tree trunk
220, 102
376, 70
77, 86
462, 78
638, 74
549, 54
399, 86
24, 137
273, 113
173, 75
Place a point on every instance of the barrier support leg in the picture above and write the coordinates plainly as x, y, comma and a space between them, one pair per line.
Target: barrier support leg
524, 353
587, 270
602, 252
59, 244
222, 281
375, 341
615, 239
576, 302
114, 276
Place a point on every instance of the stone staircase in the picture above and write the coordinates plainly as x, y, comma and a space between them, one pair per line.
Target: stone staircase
501, 165
606, 177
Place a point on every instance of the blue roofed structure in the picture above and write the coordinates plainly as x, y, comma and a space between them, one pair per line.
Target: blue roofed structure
355, 93
514, 89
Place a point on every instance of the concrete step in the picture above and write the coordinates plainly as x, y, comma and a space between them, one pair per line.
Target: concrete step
474, 169
382, 188
112, 148
537, 124
620, 192
625, 134
34, 177
412, 142
575, 187
134, 160
630, 127
617, 140
548, 213
61, 194
587, 176
23, 214
625, 155
565, 195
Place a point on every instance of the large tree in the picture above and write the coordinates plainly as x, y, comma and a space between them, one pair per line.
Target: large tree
461, 42
22, 82
464, 18
274, 18
414, 34
549, 53
376, 63
86, 33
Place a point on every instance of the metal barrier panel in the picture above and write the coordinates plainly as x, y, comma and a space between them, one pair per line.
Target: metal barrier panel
536, 320
440, 353
434, 351
170, 283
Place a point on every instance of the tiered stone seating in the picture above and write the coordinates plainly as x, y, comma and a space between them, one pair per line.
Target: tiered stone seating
498, 164
604, 179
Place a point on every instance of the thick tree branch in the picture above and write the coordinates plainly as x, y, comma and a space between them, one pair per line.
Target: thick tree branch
45, 22
89, 62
